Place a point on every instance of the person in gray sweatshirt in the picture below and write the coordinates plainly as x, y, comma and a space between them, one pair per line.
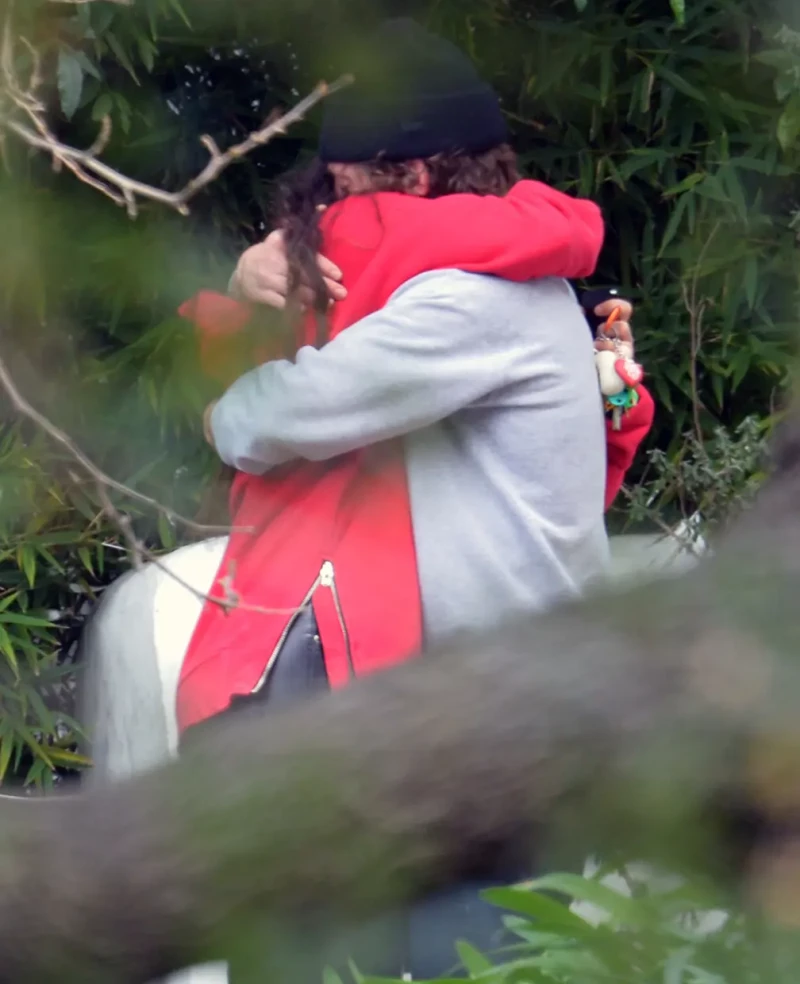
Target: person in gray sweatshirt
492, 387
503, 429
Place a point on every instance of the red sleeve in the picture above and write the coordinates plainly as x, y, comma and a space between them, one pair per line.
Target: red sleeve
215, 315
624, 443
219, 322
533, 231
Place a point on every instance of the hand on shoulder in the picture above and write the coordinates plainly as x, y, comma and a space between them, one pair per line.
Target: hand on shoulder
262, 275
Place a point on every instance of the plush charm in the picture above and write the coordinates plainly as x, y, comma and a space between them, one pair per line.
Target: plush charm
617, 371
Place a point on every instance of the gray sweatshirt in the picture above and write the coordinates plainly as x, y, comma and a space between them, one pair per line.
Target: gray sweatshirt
492, 386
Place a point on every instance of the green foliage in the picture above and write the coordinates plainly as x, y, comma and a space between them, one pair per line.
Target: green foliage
707, 483
681, 120
670, 936
57, 554
686, 136
676, 135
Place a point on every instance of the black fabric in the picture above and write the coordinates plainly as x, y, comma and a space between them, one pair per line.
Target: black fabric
299, 672
415, 95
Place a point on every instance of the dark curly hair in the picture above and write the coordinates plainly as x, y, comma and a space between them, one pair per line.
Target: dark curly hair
304, 192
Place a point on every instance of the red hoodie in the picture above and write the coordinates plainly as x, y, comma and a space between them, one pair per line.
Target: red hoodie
351, 515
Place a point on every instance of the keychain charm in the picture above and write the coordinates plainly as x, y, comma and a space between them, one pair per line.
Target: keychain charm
618, 373
617, 405
630, 372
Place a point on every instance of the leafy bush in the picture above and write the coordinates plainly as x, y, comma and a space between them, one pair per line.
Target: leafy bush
670, 936
687, 137
706, 484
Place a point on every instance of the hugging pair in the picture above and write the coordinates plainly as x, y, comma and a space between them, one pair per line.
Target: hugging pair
432, 453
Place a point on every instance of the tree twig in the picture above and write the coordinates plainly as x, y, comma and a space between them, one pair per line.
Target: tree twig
137, 550
85, 165
126, 191
696, 309
684, 541
99, 477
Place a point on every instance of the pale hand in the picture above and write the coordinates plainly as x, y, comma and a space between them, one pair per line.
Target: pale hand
262, 275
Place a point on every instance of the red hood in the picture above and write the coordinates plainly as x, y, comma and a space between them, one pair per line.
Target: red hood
381, 241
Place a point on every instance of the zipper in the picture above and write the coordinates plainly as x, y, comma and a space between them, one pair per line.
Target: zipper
325, 579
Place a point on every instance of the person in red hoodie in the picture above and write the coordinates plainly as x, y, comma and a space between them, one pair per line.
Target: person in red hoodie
262, 277
436, 461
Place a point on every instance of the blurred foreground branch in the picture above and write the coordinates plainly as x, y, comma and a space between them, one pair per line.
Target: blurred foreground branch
665, 722
77, 3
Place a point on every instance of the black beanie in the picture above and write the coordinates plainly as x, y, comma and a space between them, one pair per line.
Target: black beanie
416, 95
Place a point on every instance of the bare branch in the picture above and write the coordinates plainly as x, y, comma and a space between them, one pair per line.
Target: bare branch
125, 191
139, 553
684, 540
101, 141
85, 165
696, 308
136, 549
220, 161
231, 600
26, 101
98, 476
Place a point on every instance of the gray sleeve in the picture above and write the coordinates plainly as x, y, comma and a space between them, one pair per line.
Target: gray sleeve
432, 350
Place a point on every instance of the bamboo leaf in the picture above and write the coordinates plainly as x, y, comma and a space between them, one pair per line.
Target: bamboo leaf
475, 963
70, 82
26, 559
68, 759
548, 915
675, 80
86, 559
687, 184
45, 716
623, 909
17, 618
122, 56
8, 600
6, 750
674, 222
679, 10
789, 123
7, 648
